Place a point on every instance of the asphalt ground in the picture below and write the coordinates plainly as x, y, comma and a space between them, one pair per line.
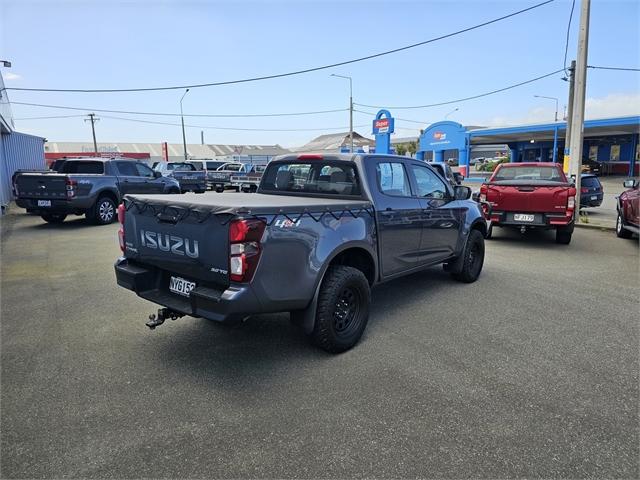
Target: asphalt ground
532, 371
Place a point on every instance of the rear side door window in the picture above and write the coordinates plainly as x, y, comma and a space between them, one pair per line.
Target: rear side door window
127, 169
392, 179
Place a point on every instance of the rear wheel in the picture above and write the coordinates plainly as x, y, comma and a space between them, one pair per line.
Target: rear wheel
471, 260
563, 236
343, 309
103, 212
174, 191
220, 190
54, 217
621, 232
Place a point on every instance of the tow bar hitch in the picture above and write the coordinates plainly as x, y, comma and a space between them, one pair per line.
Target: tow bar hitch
163, 314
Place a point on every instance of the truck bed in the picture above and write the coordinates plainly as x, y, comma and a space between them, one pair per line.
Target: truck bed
250, 203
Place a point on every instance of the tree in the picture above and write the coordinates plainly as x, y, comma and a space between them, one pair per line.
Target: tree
412, 148
401, 149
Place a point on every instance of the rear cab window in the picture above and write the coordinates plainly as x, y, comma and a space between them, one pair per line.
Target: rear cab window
181, 167
82, 167
325, 178
551, 173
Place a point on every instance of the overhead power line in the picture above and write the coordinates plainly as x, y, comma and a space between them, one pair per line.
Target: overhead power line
473, 97
233, 128
288, 74
161, 114
50, 117
566, 45
626, 69
396, 118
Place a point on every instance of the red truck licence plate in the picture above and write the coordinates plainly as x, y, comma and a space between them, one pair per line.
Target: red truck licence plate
181, 286
523, 217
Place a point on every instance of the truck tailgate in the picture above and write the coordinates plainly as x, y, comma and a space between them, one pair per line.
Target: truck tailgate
192, 244
528, 197
41, 185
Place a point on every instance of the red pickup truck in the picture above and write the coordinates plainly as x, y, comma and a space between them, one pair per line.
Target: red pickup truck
530, 195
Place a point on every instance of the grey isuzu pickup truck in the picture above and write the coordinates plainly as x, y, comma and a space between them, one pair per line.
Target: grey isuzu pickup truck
321, 230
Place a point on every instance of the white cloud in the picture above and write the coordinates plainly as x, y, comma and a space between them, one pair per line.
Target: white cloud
8, 76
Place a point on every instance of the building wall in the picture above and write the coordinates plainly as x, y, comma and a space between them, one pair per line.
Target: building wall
18, 151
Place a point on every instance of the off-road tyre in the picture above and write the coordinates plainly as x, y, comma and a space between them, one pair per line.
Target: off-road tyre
471, 260
53, 217
103, 211
343, 309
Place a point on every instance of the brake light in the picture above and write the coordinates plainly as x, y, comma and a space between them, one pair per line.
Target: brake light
244, 248
121, 212
310, 156
584, 190
571, 202
483, 193
71, 187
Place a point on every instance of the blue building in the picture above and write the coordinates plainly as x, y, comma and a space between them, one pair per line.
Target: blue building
18, 151
610, 141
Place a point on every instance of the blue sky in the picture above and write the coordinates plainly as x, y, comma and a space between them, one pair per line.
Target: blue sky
73, 44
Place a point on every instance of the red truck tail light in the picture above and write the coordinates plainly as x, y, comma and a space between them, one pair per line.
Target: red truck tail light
244, 248
121, 212
571, 202
483, 193
71, 187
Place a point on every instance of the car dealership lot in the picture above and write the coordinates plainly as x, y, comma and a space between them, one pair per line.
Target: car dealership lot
530, 371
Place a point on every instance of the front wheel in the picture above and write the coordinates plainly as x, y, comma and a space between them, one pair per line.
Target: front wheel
54, 217
471, 260
343, 309
621, 232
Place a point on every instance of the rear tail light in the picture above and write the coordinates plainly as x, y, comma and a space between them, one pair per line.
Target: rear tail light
571, 203
584, 190
483, 193
71, 187
244, 248
121, 213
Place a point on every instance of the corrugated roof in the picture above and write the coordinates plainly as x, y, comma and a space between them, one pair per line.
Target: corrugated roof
334, 141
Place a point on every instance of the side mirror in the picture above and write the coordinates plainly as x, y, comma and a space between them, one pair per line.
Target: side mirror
631, 183
458, 177
461, 192
475, 196
156, 174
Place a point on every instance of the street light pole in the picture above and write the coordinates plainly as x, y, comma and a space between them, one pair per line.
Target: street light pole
452, 111
184, 137
551, 98
350, 106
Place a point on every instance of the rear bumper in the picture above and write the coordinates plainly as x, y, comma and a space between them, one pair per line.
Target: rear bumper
588, 201
57, 205
222, 305
541, 220
190, 185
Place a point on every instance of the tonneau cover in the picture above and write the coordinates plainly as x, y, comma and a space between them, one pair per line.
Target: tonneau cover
533, 183
249, 203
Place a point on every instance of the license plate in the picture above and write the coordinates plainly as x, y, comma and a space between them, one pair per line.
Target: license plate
246, 185
594, 197
523, 217
188, 177
181, 286
44, 203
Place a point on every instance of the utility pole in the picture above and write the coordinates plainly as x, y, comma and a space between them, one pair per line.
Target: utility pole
567, 134
184, 137
350, 106
201, 137
577, 120
92, 118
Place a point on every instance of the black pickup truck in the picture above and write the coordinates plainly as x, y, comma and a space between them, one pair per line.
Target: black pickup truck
318, 234
87, 186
